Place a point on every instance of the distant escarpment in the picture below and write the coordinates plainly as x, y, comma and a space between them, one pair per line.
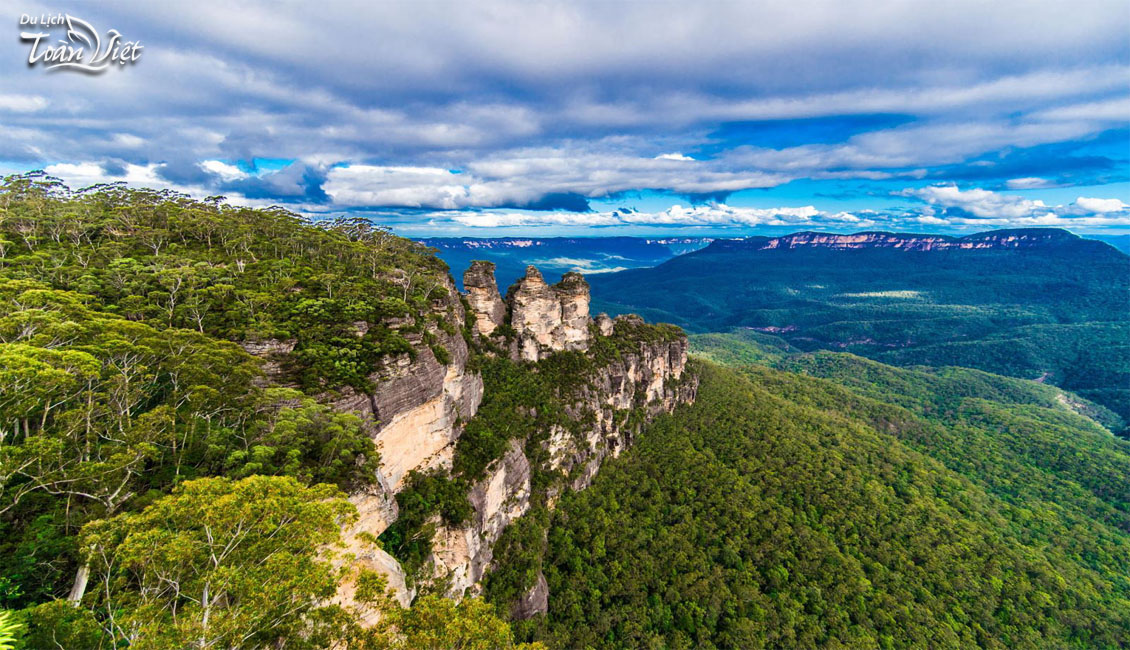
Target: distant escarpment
997, 239
525, 399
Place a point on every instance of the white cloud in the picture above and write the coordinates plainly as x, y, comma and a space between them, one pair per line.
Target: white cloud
128, 140
1110, 110
415, 187
516, 178
978, 202
990, 208
1027, 183
78, 174
85, 174
1100, 206
23, 103
225, 171
673, 156
713, 215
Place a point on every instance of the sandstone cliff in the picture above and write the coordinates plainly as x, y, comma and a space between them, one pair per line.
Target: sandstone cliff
629, 380
420, 403
483, 298
547, 318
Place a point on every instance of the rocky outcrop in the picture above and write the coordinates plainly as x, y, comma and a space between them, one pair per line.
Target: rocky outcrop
604, 324
365, 555
414, 414
273, 353
533, 602
650, 380
573, 294
418, 405
547, 318
608, 410
482, 296
417, 402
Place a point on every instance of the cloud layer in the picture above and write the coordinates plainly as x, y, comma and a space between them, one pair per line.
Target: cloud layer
699, 115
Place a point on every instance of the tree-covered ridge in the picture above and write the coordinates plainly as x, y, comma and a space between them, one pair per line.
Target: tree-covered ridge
101, 414
1055, 310
234, 273
785, 511
160, 487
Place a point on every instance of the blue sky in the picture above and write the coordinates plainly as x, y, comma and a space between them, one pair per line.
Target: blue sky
542, 119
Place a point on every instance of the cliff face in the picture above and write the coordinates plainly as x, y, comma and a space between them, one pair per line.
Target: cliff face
650, 379
419, 404
483, 298
607, 410
998, 239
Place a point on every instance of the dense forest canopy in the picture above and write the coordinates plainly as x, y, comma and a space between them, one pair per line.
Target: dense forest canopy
781, 510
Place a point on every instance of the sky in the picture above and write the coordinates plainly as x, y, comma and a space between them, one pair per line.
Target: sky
598, 118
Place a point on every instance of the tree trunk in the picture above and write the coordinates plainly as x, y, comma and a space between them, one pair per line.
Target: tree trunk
79, 588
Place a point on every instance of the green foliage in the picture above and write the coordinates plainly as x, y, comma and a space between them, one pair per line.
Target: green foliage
98, 413
218, 563
425, 494
58, 624
9, 628
302, 438
436, 623
233, 273
740, 347
787, 511
519, 402
518, 554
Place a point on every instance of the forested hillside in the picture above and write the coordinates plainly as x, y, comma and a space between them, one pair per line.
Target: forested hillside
1037, 304
782, 510
177, 490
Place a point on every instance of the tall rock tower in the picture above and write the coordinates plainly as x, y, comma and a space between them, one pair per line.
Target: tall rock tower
545, 318
482, 295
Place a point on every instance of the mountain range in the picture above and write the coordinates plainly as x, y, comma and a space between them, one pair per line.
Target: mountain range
1040, 304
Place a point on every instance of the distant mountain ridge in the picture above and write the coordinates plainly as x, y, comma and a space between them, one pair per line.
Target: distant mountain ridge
1035, 303
556, 256
1121, 242
993, 239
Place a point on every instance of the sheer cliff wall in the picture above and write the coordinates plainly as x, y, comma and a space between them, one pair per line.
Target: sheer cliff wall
421, 401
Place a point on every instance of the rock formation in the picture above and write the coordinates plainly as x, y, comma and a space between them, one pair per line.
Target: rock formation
604, 324
482, 296
649, 380
549, 319
418, 405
